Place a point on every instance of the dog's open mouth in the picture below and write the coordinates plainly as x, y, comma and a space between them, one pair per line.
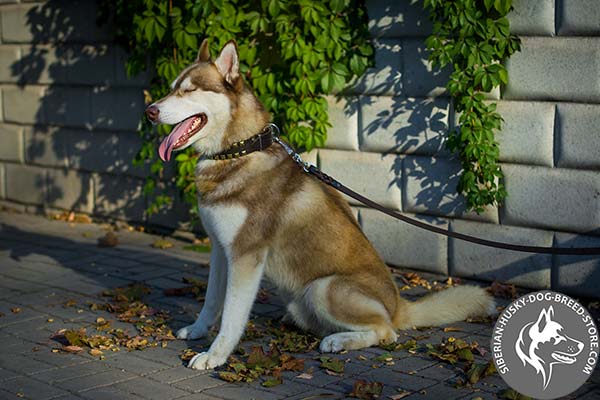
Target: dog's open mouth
563, 358
181, 133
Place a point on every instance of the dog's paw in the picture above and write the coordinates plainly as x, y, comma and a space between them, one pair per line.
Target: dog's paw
206, 360
331, 344
192, 332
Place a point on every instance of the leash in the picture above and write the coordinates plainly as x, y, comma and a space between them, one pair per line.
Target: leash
328, 180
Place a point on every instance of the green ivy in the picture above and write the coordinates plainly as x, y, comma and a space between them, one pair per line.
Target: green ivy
292, 53
473, 36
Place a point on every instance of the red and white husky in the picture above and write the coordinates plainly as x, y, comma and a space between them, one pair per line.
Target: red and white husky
265, 216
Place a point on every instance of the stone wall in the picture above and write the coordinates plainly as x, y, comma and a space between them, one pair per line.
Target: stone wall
69, 114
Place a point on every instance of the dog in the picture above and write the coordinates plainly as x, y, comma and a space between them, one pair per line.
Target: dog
265, 216
543, 344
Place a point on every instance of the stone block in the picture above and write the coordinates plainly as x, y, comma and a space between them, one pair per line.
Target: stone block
25, 184
532, 18
577, 275
373, 175
23, 104
420, 79
91, 65
43, 64
70, 190
580, 17
117, 108
68, 106
527, 135
404, 245
16, 22
385, 78
11, 137
343, 116
45, 145
429, 187
398, 19
571, 76
403, 125
561, 199
10, 66
119, 197
471, 260
2, 182
578, 136
142, 79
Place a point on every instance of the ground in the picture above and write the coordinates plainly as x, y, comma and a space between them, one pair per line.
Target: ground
52, 274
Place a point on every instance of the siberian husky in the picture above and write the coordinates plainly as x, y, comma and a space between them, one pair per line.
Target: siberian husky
265, 216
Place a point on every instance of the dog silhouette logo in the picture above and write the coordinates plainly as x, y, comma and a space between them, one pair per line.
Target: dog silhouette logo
545, 345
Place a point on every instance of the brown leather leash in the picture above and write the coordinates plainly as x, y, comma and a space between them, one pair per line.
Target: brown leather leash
328, 180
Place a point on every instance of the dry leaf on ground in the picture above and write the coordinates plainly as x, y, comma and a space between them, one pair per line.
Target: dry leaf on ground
110, 239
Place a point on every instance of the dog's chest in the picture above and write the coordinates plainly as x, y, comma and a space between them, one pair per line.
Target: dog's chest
223, 222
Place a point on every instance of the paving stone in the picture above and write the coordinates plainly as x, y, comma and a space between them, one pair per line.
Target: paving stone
365, 173
397, 19
109, 393
89, 382
199, 383
440, 390
439, 372
31, 388
577, 275
12, 143
70, 372
420, 79
343, 116
577, 146
532, 18
239, 392
429, 187
578, 17
178, 373
571, 76
527, 135
533, 196
130, 363
474, 261
149, 389
403, 125
385, 78
402, 244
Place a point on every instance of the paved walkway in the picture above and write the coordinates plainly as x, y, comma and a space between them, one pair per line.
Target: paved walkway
53, 272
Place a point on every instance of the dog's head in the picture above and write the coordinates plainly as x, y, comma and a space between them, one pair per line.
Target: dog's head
544, 343
210, 104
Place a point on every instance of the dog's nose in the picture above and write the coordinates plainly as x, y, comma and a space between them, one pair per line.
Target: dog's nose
152, 113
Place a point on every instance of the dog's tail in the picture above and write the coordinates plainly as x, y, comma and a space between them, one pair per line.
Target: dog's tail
451, 305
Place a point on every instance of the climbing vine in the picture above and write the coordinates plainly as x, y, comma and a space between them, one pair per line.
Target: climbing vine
473, 37
292, 53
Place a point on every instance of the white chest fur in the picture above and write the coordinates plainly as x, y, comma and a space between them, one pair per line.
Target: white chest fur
223, 223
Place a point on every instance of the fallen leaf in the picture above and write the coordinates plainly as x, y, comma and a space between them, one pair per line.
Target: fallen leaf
108, 240
366, 390
511, 394
452, 329
187, 354
162, 244
200, 248
95, 352
70, 303
305, 375
332, 364
385, 357
400, 395
274, 381
72, 349
15, 310
503, 290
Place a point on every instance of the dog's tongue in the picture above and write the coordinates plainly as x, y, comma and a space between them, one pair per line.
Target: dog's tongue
166, 147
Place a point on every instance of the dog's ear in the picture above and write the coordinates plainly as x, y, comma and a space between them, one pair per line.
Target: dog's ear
544, 318
228, 62
203, 53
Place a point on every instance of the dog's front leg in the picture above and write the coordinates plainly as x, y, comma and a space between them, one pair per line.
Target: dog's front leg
215, 295
243, 279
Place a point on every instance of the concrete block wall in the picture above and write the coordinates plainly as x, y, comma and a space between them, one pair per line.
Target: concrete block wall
69, 114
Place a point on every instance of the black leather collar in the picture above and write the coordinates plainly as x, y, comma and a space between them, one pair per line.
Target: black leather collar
258, 142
